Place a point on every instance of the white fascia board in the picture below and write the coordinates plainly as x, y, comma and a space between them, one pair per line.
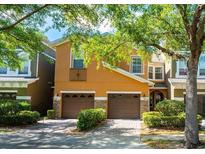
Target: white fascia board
198, 93
8, 91
77, 92
123, 92
23, 97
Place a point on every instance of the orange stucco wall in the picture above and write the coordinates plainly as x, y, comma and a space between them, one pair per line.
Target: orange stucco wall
99, 80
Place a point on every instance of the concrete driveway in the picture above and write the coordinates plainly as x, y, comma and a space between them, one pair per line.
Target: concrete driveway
51, 134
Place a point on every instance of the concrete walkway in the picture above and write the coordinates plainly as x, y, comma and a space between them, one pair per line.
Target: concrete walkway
51, 134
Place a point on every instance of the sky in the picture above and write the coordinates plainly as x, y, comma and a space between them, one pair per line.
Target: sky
54, 34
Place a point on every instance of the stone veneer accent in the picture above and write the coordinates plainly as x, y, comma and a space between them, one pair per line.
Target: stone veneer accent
143, 107
57, 106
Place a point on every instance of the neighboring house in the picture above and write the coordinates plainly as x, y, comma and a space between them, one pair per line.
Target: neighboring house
123, 91
177, 71
33, 82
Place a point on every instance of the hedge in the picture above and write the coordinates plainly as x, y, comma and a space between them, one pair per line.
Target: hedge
13, 112
89, 118
24, 106
170, 107
158, 120
10, 107
51, 114
21, 118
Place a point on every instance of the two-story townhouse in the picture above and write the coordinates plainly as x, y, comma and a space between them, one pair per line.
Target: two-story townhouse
123, 91
33, 82
177, 81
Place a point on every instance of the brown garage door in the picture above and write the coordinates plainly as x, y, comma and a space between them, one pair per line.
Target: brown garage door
125, 106
74, 103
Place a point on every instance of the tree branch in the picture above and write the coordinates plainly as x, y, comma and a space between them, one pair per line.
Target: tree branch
167, 51
183, 11
196, 18
9, 27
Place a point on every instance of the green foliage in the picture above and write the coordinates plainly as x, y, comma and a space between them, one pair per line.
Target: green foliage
8, 107
89, 118
157, 120
24, 106
27, 34
51, 114
183, 115
13, 112
11, 107
21, 118
170, 107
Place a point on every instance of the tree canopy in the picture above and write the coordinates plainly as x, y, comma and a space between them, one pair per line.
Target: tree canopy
147, 28
20, 27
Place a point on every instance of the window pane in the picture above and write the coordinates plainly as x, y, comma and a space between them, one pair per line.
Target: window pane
150, 72
78, 64
202, 66
158, 73
202, 72
24, 69
182, 71
182, 67
136, 65
3, 70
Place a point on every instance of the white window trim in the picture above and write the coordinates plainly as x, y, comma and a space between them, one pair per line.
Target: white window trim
72, 60
131, 70
184, 76
153, 74
16, 72
154, 79
198, 75
177, 71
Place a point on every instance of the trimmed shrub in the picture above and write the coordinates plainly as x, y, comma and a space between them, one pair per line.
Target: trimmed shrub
8, 107
170, 107
89, 118
24, 106
51, 114
21, 118
158, 120
183, 115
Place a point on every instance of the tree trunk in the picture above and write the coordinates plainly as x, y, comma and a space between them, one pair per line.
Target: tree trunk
191, 124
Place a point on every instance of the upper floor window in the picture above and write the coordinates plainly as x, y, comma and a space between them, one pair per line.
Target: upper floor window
25, 68
151, 72
78, 63
182, 67
202, 65
23, 71
136, 65
3, 70
77, 60
158, 73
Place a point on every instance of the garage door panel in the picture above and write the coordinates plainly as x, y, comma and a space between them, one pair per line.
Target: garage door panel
74, 103
126, 106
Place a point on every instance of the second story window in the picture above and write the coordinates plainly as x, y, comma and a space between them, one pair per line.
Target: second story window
78, 63
151, 72
182, 68
202, 66
25, 68
158, 73
3, 70
136, 65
